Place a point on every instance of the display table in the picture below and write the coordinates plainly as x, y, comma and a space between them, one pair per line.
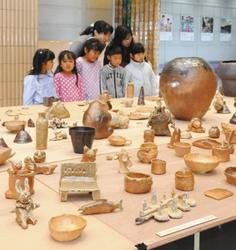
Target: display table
116, 230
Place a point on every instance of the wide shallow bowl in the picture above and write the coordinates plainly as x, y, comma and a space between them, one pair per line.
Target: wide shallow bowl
14, 126
5, 154
66, 227
230, 174
200, 163
138, 183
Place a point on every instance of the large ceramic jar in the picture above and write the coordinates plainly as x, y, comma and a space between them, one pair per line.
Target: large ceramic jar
41, 132
188, 85
226, 70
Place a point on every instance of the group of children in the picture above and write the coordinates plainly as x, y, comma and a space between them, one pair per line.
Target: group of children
84, 78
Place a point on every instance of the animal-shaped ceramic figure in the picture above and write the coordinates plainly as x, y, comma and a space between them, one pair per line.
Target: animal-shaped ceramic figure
89, 155
98, 117
195, 125
24, 205
124, 161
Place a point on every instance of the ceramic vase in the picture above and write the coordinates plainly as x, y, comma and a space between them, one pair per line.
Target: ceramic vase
41, 132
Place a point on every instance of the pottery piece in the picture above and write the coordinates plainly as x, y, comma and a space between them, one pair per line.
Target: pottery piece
184, 180
130, 90
89, 155
233, 118
185, 135
59, 135
206, 143
17, 172
187, 85
78, 178
119, 120
48, 101
182, 148
116, 140
226, 71
14, 126
128, 103
195, 125
230, 132
5, 154
230, 174
175, 137
147, 152
149, 135
201, 163
220, 105
22, 137
218, 193
214, 132
39, 156
66, 227
138, 116
141, 100
3, 143
158, 166
100, 207
57, 123
138, 183
124, 161
24, 205
98, 117
222, 152
80, 137
31, 123
159, 120
41, 132
57, 110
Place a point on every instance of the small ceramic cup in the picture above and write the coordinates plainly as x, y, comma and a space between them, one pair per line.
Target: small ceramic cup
158, 166
149, 135
182, 148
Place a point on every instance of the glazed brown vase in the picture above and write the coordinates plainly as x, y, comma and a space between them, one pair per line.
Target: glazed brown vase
188, 85
41, 132
98, 117
226, 70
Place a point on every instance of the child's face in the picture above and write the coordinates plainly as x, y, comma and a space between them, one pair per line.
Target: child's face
91, 55
46, 67
139, 57
115, 60
102, 37
127, 41
67, 64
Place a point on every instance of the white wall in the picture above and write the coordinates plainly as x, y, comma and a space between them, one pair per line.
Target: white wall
211, 51
65, 19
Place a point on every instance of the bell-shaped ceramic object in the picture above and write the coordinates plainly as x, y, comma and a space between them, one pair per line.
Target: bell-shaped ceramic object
22, 137
141, 97
3, 143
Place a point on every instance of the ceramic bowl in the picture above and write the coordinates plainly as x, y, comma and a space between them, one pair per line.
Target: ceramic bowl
182, 148
200, 163
14, 126
5, 154
66, 227
138, 183
230, 174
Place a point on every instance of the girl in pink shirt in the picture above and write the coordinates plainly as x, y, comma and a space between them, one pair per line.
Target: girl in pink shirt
67, 80
89, 67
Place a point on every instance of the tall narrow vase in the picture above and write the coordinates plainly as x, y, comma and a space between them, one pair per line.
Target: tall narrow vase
41, 132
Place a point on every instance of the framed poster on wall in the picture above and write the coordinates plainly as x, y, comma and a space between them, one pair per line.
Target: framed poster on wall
187, 28
225, 29
166, 27
207, 28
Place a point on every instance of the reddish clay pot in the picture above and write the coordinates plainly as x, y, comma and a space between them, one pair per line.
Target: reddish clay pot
188, 85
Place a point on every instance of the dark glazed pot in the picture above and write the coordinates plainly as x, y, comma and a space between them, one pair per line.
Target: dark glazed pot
227, 73
188, 85
81, 136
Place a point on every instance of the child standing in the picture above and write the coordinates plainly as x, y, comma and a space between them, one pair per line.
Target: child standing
67, 81
39, 82
113, 75
140, 72
89, 67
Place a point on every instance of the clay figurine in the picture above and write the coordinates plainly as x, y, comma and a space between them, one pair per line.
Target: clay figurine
59, 135
141, 97
105, 97
220, 105
57, 123
98, 117
175, 137
39, 156
31, 123
124, 161
147, 152
24, 205
195, 125
233, 118
100, 206
89, 155
159, 120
